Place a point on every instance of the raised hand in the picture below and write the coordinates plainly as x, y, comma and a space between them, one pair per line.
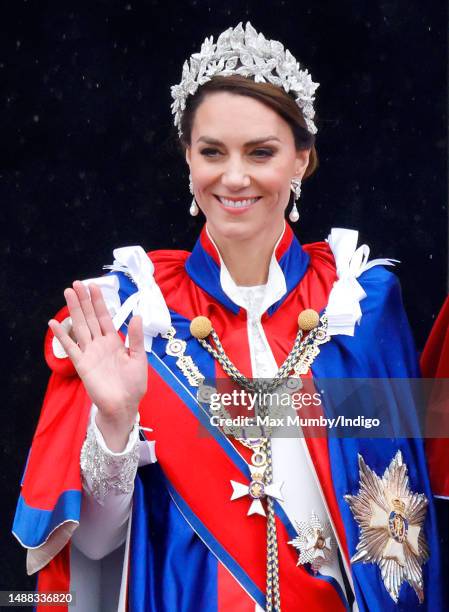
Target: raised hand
114, 377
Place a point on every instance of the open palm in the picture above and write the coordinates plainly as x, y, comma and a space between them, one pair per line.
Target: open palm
114, 377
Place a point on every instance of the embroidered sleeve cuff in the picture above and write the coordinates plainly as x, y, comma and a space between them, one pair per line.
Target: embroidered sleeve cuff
103, 470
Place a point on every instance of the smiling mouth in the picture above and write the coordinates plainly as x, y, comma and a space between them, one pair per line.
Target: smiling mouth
243, 203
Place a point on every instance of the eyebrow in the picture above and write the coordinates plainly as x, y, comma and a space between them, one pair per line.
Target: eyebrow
214, 141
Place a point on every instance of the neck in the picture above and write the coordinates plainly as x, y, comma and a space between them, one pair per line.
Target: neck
248, 260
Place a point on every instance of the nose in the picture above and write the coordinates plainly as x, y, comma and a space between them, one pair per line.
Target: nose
234, 175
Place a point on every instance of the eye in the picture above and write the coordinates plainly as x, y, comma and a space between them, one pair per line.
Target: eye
263, 153
209, 152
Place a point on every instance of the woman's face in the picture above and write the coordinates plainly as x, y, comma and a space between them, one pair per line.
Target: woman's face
242, 158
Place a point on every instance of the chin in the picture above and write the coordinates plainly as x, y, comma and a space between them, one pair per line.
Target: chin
239, 231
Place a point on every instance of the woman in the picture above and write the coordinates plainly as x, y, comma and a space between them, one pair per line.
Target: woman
333, 523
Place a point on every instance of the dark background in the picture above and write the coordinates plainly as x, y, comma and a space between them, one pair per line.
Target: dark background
89, 160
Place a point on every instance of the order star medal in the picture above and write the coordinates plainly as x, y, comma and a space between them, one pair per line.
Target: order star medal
257, 490
314, 543
391, 518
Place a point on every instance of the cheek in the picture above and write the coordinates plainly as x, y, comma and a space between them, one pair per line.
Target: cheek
274, 180
204, 176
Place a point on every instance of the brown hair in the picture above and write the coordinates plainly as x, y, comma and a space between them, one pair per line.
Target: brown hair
271, 95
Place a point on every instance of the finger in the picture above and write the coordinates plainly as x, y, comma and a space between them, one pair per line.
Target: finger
71, 348
80, 328
101, 310
87, 308
135, 335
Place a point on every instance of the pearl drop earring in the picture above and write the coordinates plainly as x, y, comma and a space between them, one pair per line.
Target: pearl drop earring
194, 209
296, 188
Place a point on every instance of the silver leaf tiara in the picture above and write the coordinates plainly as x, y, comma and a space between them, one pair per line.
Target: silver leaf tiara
247, 53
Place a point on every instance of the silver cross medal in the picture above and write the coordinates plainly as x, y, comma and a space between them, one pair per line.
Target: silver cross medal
257, 490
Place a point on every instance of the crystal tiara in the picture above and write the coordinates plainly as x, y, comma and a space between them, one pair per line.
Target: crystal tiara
249, 54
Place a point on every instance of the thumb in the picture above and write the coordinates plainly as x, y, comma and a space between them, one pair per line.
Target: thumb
135, 336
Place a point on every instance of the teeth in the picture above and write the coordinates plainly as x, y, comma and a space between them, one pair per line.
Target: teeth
238, 203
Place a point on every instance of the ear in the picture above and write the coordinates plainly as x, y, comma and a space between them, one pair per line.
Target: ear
188, 156
302, 161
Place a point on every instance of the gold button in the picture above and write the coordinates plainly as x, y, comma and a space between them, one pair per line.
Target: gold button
200, 327
308, 319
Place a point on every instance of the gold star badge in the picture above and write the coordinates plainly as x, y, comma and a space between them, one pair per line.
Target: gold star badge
391, 518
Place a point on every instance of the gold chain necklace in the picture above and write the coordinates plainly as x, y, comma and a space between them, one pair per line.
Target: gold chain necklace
298, 361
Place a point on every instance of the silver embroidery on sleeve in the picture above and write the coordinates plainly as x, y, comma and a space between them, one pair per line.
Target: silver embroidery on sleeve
103, 472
